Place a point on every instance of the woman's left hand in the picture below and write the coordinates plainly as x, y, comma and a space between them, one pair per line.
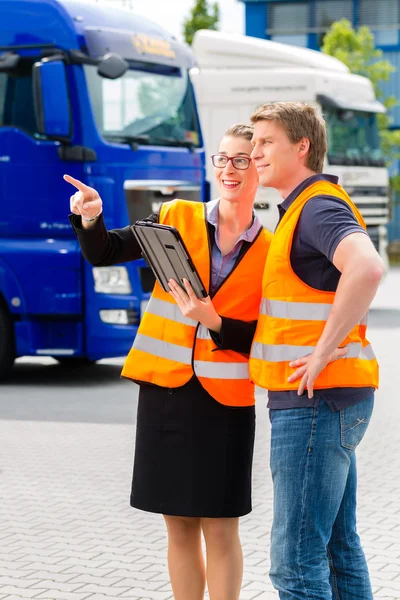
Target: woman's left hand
201, 310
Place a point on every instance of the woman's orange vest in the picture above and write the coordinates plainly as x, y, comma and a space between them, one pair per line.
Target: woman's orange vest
293, 315
169, 347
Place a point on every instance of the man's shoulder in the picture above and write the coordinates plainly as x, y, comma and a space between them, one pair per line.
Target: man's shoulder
322, 207
328, 201
324, 222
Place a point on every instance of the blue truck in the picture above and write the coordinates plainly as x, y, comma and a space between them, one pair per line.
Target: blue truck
106, 97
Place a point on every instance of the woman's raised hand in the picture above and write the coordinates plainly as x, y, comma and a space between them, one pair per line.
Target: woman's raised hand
86, 201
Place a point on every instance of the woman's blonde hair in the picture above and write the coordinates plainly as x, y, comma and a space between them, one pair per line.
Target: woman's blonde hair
240, 130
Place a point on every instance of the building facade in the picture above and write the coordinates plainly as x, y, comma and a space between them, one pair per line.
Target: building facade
305, 22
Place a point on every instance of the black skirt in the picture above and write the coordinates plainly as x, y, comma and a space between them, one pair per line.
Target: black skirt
193, 455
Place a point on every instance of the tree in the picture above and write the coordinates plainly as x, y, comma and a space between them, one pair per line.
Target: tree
201, 16
357, 50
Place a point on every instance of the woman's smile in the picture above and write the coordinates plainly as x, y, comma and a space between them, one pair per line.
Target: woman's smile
230, 184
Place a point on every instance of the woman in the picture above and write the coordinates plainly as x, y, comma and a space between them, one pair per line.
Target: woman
196, 417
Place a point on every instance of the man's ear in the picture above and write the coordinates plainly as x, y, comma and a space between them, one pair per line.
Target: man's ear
304, 146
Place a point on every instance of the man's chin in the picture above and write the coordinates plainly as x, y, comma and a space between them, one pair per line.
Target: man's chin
265, 181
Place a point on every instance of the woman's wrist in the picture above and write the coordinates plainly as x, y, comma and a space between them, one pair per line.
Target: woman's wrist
92, 219
90, 223
214, 324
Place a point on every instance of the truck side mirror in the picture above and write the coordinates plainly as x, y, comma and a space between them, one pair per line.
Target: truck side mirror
112, 66
51, 99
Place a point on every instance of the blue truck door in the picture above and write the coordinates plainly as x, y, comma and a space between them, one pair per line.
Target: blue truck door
35, 237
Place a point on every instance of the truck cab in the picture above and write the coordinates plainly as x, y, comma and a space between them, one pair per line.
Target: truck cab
104, 96
235, 74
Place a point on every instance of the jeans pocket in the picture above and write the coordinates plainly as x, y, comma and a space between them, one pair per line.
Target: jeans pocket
354, 422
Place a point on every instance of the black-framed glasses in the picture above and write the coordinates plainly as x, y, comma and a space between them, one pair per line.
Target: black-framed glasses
239, 162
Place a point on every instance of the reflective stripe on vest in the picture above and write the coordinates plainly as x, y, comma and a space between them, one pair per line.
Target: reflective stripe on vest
163, 349
170, 311
218, 370
211, 370
298, 311
203, 333
285, 352
221, 370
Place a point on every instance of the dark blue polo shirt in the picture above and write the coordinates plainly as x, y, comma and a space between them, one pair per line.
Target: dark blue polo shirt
323, 223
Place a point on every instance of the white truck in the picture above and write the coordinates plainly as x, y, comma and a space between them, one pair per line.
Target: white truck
237, 73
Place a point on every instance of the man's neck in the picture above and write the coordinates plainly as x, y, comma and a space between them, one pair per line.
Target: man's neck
294, 182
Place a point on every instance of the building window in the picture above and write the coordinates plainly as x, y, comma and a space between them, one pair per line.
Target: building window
288, 23
329, 11
382, 18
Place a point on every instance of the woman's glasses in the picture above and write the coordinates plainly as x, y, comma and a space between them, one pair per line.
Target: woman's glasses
239, 162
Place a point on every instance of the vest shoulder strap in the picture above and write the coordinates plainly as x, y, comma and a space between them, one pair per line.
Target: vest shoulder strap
320, 188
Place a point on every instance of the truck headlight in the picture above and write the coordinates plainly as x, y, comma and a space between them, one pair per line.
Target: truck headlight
111, 280
119, 317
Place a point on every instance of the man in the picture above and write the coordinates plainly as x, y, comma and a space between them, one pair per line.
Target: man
321, 275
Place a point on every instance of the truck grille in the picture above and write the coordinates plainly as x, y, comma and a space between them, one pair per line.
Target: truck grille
145, 197
372, 202
373, 233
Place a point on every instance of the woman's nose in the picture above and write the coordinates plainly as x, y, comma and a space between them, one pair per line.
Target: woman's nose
229, 168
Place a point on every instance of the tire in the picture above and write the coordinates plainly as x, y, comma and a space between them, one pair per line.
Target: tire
7, 344
74, 361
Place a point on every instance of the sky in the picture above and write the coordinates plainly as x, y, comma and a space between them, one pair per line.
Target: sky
171, 14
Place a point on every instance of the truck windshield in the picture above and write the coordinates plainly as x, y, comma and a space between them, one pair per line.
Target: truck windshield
353, 137
144, 107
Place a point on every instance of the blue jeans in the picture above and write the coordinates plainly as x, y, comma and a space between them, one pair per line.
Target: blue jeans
315, 549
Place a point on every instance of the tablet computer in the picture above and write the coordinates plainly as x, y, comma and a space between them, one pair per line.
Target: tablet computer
165, 252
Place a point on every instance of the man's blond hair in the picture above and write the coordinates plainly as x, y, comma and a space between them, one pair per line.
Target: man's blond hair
299, 121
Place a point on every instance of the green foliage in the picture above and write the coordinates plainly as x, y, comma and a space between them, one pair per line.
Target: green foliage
357, 50
202, 16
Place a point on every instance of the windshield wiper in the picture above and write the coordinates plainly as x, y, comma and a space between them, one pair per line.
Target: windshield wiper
170, 141
133, 140
136, 140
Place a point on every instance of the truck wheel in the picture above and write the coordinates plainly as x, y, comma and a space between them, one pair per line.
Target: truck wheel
74, 361
7, 344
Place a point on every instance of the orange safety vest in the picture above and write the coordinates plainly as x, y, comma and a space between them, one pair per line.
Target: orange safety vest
169, 347
293, 315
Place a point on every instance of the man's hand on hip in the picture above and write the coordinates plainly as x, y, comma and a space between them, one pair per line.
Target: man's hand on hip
310, 366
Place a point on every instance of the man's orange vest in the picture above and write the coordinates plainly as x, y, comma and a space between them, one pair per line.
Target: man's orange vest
169, 347
293, 315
